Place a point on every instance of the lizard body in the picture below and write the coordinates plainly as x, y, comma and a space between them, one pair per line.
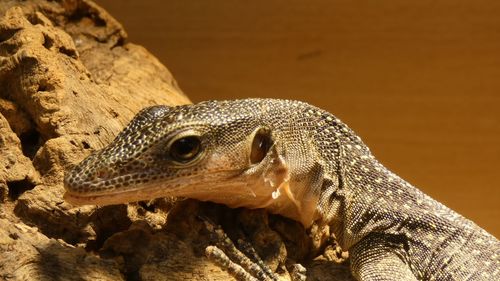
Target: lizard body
295, 160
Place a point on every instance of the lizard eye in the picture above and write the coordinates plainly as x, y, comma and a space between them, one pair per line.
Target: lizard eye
261, 144
185, 149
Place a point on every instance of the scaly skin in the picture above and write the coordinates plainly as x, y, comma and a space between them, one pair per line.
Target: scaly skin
309, 166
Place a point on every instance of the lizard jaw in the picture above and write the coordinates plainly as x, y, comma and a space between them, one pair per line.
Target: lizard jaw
102, 200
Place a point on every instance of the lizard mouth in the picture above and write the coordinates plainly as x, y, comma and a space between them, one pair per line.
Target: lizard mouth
240, 189
191, 187
105, 199
121, 197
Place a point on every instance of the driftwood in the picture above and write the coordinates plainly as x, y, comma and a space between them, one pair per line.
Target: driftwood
69, 83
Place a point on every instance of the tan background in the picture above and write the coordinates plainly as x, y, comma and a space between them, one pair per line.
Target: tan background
418, 80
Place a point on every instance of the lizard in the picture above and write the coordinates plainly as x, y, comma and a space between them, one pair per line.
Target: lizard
295, 160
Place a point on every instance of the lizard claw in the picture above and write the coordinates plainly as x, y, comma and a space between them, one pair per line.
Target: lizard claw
242, 262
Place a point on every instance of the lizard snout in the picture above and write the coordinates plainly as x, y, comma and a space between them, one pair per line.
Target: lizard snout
81, 180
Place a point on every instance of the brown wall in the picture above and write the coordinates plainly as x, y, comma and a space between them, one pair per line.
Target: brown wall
418, 80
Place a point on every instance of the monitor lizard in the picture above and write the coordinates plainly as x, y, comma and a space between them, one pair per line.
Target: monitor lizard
295, 160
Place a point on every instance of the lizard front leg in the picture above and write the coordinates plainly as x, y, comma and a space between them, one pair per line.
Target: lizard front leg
237, 263
374, 258
243, 263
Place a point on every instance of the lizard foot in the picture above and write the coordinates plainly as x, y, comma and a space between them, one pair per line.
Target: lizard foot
242, 261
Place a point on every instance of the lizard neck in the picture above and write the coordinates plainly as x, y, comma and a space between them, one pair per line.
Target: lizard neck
363, 196
371, 199
358, 195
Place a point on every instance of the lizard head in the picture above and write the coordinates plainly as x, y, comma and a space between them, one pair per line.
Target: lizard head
220, 151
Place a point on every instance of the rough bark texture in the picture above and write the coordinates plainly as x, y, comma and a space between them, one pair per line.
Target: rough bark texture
69, 82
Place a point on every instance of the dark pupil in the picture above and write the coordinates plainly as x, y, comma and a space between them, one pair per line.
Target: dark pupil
185, 149
260, 146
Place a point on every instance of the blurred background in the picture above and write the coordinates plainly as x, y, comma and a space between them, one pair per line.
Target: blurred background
419, 81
